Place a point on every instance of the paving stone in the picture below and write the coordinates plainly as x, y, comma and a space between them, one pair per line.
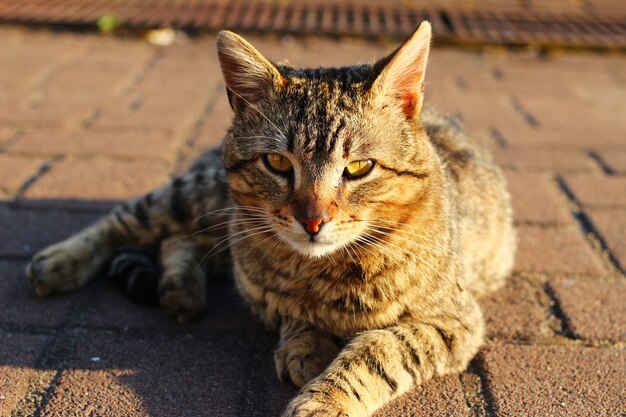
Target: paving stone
216, 124
515, 312
559, 160
555, 380
611, 225
441, 397
26, 231
555, 250
615, 160
233, 375
5, 134
577, 136
21, 382
121, 144
488, 110
598, 191
93, 77
536, 200
15, 170
98, 179
531, 78
20, 306
51, 112
594, 308
171, 120
556, 112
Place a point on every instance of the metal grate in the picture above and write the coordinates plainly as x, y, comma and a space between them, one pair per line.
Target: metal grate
478, 25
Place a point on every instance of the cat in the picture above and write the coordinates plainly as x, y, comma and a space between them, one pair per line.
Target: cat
361, 224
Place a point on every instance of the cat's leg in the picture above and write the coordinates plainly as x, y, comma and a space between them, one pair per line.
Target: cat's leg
172, 209
379, 365
303, 352
182, 286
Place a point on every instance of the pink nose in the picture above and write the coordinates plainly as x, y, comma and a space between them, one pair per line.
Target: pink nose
312, 224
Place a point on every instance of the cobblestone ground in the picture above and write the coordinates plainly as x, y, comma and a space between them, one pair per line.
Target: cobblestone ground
86, 121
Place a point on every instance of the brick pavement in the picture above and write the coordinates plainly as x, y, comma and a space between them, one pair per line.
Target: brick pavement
86, 121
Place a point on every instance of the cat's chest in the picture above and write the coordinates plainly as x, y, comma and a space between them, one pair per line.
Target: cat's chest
335, 298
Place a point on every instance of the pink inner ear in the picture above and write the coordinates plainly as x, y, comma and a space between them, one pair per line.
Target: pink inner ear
409, 104
410, 89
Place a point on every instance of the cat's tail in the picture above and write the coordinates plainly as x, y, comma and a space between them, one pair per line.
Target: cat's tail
136, 270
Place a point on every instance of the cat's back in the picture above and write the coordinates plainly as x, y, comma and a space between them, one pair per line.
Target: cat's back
482, 201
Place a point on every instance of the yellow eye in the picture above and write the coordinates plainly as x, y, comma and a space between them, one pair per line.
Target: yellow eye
278, 163
357, 169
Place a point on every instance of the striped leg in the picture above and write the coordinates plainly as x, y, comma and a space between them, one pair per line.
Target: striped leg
379, 365
167, 211
303, 352
182, 287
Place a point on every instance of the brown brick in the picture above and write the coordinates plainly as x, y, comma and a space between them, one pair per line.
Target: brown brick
26, 231
6, 133
98, 179
216, 124
554, 380
121, 144
611, 224
21, 382
594, 308
555, 250
535, 199
559, 160
515, 312
577, 136
15, 170
515, 78
614, 160
92, 77
557, 112
441, 397
177, 77
52, 111
20, 306
169, 119
598, 191
488, 111
166, 375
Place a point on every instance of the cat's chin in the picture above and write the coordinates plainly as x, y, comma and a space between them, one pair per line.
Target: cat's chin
314, 249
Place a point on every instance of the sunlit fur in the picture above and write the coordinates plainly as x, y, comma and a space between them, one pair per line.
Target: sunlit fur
383, 297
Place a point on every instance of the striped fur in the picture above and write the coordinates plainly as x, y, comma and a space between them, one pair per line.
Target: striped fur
383, 297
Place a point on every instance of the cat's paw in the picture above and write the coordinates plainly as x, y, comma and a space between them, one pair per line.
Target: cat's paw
308, 405
185, 302
62, 267
301, 359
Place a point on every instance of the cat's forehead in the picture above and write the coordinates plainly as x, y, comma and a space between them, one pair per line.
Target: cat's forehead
347, 80
321, 106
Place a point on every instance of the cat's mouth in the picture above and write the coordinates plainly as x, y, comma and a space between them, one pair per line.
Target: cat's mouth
313, 246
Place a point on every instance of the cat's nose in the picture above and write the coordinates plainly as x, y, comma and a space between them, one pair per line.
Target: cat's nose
313, 224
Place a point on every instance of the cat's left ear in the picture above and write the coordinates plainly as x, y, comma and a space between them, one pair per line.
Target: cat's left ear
401, 76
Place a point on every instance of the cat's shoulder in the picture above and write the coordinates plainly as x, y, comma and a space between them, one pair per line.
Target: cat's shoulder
453, 142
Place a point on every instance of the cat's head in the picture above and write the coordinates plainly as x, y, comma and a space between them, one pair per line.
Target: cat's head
326, 156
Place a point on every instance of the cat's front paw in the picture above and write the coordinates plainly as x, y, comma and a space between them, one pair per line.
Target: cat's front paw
312, 405
62, 267
302, 359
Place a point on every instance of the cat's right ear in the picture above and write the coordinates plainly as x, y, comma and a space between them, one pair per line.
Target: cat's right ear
249, 76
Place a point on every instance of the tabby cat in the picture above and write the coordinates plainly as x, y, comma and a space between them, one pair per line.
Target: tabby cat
360, 224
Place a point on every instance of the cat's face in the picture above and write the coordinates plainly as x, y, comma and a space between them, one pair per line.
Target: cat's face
329, 157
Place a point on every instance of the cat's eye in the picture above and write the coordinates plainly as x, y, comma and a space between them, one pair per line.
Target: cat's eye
277, 163
356, 169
